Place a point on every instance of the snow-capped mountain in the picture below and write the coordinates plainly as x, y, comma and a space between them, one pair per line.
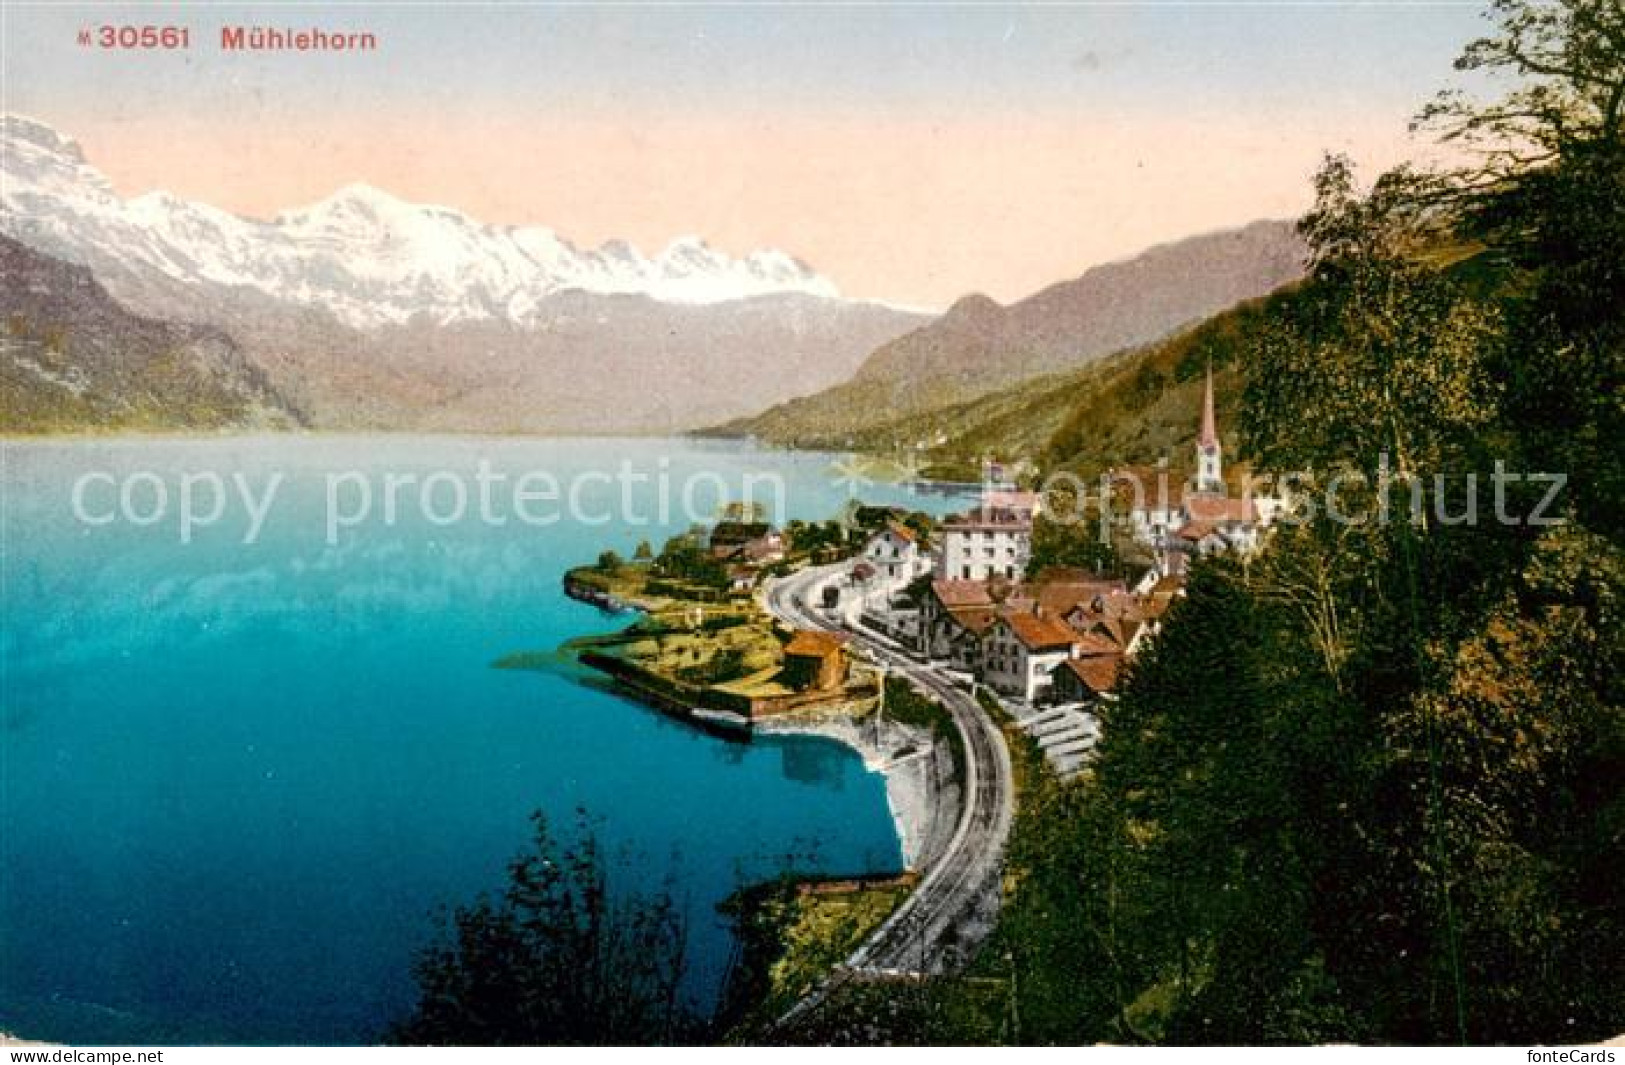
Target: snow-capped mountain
364, 256
367, 312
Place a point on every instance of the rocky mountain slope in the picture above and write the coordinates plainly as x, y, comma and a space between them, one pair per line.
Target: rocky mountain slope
71, 357
587, 364
1131, 408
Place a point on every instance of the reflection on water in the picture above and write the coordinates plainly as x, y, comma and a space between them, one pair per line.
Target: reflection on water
812, 761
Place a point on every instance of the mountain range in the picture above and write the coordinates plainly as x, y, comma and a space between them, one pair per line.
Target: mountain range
371, 312
364, 311
364, 256
979, 347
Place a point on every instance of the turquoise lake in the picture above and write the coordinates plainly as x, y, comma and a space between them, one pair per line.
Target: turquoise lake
237, 779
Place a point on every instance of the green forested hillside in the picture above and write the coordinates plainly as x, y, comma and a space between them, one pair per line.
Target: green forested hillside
926, 379
1369, 785
1131, 407
73, 359
1137, 406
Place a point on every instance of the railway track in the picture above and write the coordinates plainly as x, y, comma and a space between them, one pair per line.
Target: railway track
939, 925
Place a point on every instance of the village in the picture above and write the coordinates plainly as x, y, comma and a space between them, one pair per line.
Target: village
959, 595
1051, 644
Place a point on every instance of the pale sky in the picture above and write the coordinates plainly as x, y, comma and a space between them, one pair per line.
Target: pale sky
911, 153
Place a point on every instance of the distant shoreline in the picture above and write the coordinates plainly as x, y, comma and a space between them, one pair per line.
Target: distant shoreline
249, 433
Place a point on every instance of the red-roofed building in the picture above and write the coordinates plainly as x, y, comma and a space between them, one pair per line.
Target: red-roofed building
1087, 680
1118, 619
940, 613
1200, 538
815, 660
1012, 636
1219, 509
1155, 601
965, 641
1057, 597
1094, 643
1021, 651
733, 541
952, 593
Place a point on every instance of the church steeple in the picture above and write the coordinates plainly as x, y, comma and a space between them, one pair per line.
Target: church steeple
1209, 468
1210, 427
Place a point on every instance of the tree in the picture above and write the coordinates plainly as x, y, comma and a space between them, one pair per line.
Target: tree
1368, 786
808, 537
556, 959
1224, 761
1386, 363
1381, 825
1528, 741
918, 589
610, 562
686, 558
644, 551
1567, 59
742, 512
1075, 544
726, 664
1545, 189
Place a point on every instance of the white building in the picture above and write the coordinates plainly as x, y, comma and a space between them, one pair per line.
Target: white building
1158, 508
890, 561
1217, 523
993, 540
896, 555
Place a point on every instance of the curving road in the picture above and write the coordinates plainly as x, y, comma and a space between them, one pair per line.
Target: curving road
952, 908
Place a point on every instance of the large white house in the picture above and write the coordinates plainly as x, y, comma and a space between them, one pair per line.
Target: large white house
992, 540
892, 559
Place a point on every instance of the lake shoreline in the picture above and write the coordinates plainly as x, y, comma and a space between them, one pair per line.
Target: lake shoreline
914, 791
921, 791
114, 433
370, 701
